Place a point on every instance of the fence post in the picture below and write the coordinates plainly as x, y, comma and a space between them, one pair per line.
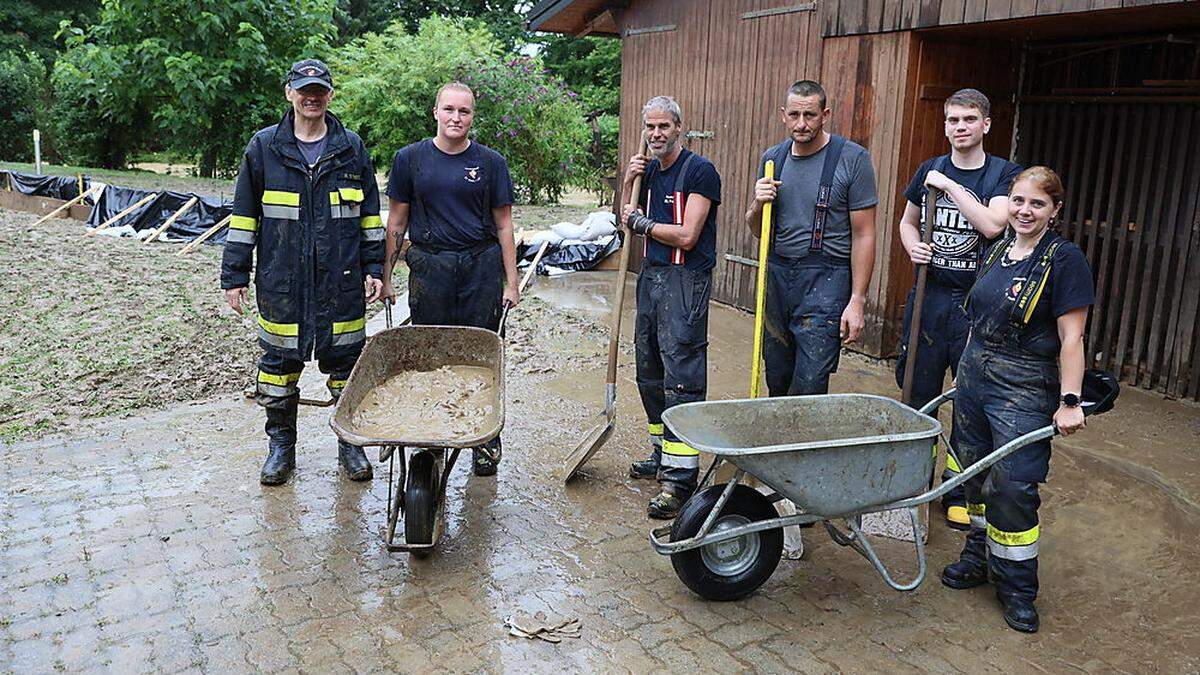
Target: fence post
37, 151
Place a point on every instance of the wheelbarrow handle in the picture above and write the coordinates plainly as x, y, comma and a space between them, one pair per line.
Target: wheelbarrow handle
524, 282
975, 469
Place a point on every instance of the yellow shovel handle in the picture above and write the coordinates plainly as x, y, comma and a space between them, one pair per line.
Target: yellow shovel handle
760, 289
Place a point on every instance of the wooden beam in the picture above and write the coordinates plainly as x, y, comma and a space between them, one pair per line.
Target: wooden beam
207, 233
171, 221
103, 226
65, 207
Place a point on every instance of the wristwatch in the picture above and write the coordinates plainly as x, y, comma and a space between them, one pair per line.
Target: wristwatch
1070, 400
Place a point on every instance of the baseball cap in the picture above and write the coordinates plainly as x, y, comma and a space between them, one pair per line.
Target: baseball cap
309, 71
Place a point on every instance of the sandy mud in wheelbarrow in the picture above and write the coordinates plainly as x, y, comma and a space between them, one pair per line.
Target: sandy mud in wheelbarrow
410, 349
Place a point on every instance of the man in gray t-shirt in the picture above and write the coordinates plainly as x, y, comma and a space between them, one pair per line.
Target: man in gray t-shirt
822, 249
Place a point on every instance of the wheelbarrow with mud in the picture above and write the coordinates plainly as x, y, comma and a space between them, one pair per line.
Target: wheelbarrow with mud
424, 452
836, 456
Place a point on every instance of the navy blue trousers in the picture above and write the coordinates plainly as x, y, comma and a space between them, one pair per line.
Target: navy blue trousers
944, 329
455, 287
804, 305
671, 342
1003, 393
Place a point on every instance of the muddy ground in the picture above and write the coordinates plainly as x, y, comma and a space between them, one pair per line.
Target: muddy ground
147, 544
93, 326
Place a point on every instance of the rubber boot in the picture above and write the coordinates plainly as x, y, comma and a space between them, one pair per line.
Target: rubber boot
354, 461
1019, 613
957, 517
963, 574
486, 459
666, 505
644, 468
281, 444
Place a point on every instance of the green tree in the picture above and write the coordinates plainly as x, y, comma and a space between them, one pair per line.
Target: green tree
505, 19
355, 18
386, 93
197, 77
32, 24
22, 98
590, 66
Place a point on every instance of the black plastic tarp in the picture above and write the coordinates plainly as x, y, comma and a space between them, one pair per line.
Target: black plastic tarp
207, 212
55, 187
574, 257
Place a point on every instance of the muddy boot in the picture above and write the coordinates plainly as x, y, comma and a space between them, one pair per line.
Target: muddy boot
666, 505
957, 517
354, 461
963, 574
644, 468
1019, 613
484, 460
281, 443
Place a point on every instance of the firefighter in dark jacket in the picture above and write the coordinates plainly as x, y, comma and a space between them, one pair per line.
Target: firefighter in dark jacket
306, 207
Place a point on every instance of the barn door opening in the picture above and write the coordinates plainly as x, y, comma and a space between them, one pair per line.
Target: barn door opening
1119, 120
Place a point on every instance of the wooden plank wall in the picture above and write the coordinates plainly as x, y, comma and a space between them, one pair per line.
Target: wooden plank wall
729, 73
669, 61
868, 82
1132, 176
859, 17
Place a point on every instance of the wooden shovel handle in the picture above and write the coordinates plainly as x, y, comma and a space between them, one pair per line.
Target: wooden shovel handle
614, 339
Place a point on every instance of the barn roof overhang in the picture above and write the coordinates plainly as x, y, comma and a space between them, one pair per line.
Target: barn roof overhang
575, 17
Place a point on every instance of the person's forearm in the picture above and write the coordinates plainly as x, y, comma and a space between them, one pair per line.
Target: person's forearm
754, 218
987, 222
910, 235
396, 227
862, 260
508, 249
1071, 366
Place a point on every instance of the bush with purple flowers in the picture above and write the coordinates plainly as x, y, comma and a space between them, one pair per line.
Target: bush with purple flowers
386, 87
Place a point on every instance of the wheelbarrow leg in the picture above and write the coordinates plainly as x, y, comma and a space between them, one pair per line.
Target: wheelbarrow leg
860, 543
395, 496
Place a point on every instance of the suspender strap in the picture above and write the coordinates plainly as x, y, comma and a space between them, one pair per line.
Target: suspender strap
414, 170
833, 156
680, 195
1027, 300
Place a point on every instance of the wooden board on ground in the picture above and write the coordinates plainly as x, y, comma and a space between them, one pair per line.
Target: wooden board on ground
19, 201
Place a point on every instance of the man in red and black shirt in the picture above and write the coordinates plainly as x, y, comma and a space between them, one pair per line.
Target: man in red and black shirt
678, 217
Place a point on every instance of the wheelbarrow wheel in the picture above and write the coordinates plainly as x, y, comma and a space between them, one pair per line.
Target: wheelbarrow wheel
732, 569
420, 500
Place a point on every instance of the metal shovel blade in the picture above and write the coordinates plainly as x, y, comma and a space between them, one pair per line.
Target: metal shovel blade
588, 446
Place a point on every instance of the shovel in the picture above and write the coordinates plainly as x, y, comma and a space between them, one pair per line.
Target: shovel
608, 417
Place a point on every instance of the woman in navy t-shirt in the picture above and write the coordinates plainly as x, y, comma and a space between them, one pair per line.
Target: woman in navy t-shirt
1022, 368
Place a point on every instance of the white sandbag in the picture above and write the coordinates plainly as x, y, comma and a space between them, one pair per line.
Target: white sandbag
599, 224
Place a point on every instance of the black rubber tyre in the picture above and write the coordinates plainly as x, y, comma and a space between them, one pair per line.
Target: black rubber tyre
420, 500
733, 569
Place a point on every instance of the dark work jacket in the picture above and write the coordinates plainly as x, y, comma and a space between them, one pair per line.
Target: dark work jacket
316, 234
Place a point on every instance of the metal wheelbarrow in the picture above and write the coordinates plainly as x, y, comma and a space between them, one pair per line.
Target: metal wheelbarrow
836, 456
419, 492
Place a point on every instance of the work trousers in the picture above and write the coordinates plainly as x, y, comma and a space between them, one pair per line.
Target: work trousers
671, 340
455, 287
805, 300
1003, 393
944, 329
279, 378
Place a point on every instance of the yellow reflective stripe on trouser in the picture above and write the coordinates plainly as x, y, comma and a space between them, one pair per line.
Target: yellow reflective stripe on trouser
284, 335
271, 384
656, 434
335, 386
680, 455
976, 512
952, 464
349, 332
372, 228
1013, 545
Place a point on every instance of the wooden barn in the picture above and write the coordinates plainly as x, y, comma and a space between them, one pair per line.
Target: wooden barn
1104, 91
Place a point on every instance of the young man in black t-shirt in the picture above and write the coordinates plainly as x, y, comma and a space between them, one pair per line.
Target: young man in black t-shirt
972, 209
678, 219
453, 197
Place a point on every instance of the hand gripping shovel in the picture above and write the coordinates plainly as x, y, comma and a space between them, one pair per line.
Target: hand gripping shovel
608, 418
